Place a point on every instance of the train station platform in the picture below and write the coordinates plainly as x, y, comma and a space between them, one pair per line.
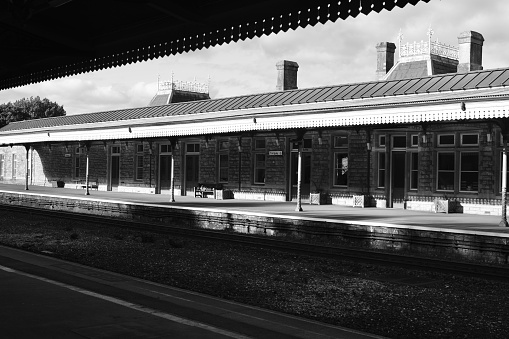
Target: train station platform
44, 297
454, 222
453, 236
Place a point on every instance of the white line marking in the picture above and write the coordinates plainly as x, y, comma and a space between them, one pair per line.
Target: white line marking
131, 305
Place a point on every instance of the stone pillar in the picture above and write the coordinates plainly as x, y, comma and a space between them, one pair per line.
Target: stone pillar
384, 58
286, 75
470, 51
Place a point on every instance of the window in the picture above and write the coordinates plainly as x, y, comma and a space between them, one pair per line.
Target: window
446, 140
414, 140
469, 139
1, 166
165, 148
224, 167
223, 145
341, 160
414, 171
115, 150
381, 141
340, 169
445, 168
259, 168
399, 141
259, 144
381, 170
469, 171
341, 141
139, 162
192, 148
14, 166
223, 163
259, 161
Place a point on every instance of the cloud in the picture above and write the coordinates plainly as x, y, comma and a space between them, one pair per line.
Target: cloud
334, 53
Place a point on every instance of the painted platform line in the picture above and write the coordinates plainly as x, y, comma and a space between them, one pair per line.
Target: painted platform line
133, 306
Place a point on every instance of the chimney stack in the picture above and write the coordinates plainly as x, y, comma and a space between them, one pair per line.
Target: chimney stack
385, 58
286, 75
470, 51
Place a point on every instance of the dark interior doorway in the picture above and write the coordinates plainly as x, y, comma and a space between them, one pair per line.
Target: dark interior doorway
115, 172
398, 179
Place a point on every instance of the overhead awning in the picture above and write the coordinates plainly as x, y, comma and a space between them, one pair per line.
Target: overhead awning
474, 104
49, 39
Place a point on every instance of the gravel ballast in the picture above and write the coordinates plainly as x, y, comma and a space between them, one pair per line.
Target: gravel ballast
388, 301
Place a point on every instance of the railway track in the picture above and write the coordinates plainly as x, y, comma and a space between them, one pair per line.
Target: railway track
495, 272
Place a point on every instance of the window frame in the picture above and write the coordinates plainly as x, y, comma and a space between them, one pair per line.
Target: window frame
336, 169
139, 162
440, 144
257, 168
461, 171
469, 145
438, 170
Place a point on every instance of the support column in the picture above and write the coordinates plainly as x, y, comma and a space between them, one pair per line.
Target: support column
172, 174
503, 221
299, 180
27, 148
87, 186
240, 163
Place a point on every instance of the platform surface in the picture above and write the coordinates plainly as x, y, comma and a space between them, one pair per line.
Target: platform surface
453, 222
43, 297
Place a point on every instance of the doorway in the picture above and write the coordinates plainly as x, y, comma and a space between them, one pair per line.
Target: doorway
398, 178
192, 167
305, 188
115, 168
164, 172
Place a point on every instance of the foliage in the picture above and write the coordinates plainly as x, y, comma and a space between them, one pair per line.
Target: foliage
28, 109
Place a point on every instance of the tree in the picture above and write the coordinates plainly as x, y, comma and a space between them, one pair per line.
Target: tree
28, 109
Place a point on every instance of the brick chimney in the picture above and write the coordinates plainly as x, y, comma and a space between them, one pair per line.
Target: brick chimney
470, 51
384, 58
286, 75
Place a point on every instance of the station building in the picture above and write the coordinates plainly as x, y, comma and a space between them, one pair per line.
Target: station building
430, 128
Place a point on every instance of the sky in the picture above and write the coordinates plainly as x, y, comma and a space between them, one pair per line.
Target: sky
331, 54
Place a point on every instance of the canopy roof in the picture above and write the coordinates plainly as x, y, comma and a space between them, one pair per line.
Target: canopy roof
48, 39
432, 98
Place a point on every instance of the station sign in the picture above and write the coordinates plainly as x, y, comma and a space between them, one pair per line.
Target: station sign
275, 152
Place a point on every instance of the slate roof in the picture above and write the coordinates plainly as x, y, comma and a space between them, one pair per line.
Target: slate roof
395, 89
407, 70
159, 99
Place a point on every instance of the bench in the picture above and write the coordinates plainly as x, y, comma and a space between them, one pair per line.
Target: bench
91, 185
203, 189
